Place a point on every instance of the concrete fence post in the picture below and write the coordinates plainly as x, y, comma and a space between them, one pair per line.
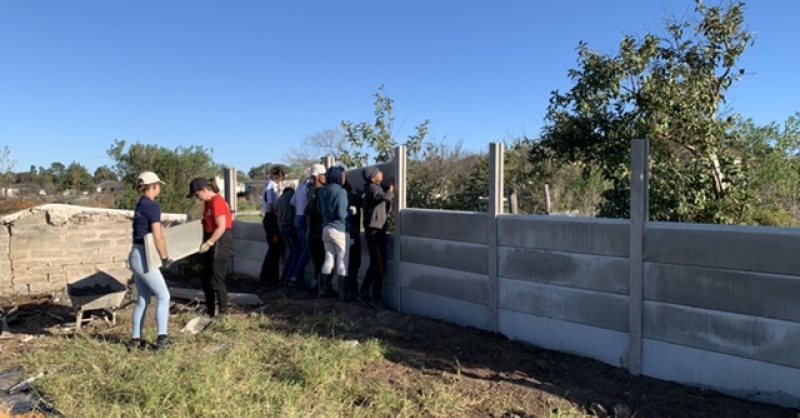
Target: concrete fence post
230, 189
640, 213
401, 160
496, 152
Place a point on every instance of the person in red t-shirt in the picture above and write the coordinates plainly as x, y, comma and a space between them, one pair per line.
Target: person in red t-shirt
217, 248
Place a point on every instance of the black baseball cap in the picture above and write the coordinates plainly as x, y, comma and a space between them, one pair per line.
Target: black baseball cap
197, 184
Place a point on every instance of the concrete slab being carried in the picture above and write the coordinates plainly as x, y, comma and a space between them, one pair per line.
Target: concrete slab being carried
182, 241
233, 298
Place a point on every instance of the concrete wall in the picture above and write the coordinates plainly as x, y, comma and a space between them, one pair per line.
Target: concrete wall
721, 309
47, 247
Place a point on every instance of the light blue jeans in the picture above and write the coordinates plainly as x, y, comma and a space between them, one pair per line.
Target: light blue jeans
148, 284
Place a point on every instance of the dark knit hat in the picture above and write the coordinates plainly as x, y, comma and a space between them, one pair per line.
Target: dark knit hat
370, 173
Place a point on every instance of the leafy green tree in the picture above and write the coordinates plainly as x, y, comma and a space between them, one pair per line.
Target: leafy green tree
771, 154
175, 167
76, 177
377, 138
104, 173
671, 90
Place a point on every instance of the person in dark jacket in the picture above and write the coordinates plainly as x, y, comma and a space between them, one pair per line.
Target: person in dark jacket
333, 204
355, 199
270, 268
314, 219
377, 202
285, 213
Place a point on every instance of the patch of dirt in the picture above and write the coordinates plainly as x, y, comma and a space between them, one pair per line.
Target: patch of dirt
482, 362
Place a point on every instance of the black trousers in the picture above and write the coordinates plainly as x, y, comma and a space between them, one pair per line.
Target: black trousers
216, 264
354, 262
270, 268
376, 245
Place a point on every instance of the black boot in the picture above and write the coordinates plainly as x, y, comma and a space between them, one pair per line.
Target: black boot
343, 285
330, 292
162, 343
322, 285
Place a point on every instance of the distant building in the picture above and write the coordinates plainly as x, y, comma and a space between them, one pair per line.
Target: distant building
108, 187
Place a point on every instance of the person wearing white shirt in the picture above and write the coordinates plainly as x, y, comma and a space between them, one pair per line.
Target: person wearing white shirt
270, 268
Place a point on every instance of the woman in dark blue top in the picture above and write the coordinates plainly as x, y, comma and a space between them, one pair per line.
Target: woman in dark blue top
149, 282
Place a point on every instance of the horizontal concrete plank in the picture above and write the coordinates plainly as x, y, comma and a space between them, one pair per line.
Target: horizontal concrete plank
251, 250
583, 271
559, 233
738, 291
182, 241
756, 338
445, 224
448, 309
251, 268
597, 309
586, 341
253, 231
452, 255
736, 376
768, 250
454, 284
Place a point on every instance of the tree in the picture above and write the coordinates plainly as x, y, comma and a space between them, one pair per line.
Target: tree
378, 137
76, 177
6, 169
771, 154
104, 173
175, 167
328, 142
671, 90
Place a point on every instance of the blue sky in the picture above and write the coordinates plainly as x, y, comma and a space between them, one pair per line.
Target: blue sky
251, 79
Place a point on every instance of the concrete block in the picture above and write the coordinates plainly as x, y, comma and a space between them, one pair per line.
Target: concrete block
57, 278
446, 254
46, 287
251, 268
737, 291
33, 219
732, 375
5, 237
28, 278
251, 231
356, 178
251, 250
762, 249
182, 241
583, 271
768, 340
448, 309
597, 309
47, 254
598, 236
445, 224
79, 272
600, 344
111, 266
454, 284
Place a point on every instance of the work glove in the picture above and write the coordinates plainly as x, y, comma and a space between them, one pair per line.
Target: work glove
167, 263
206, 246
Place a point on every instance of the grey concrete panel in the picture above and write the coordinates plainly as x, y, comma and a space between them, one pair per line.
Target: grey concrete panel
251, 250
447, 254
251, 231
182, 241
586, 341
251, 268
763, 339
454, 284
595, 272
736, 376
604, 310
560, 233
768, 250
738, 291
448, 309
445, 224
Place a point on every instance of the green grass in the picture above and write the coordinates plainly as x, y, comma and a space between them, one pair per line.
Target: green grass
266, 371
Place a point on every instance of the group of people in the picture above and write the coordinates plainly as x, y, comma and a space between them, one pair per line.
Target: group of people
216, 249
321, 222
